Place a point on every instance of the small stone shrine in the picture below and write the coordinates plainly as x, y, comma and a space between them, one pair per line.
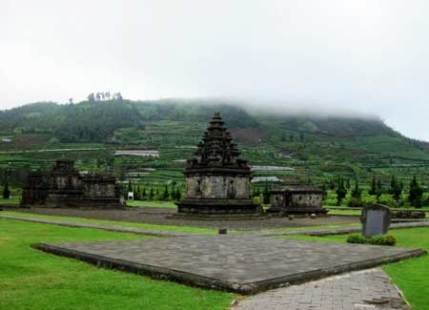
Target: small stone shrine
297, 200
35, 190
217, 180
65, 187
375, 220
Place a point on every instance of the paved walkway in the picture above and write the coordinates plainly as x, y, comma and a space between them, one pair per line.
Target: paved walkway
362, 290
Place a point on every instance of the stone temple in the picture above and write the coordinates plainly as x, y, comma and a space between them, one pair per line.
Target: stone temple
65, 187
217, 180
297, 199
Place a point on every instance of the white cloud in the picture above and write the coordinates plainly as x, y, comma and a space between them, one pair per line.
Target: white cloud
366, 55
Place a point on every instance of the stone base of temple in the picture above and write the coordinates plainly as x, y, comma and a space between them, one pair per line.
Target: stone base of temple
56, 201
298, 210
218, 207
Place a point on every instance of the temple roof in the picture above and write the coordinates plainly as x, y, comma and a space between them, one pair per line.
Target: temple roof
217, 150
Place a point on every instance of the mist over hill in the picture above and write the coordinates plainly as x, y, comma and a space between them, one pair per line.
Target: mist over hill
97, 121
318, 146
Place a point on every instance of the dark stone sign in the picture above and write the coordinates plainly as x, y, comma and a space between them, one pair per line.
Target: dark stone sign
375, 220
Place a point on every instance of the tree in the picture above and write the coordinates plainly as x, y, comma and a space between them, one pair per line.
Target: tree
6, 190
348, 185
137, 193
165, 194
129, 187
356, 192
91, 97
415, 193
151, 194
395, 189
143, 195
341, 191
373, 189
178, 194
379, 189
324, 190
266, 194
356, 196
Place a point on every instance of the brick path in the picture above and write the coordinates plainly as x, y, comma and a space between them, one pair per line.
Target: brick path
362, 290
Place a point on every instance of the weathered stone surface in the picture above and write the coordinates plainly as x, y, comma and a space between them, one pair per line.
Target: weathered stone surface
297, 200
244, 264
368, 289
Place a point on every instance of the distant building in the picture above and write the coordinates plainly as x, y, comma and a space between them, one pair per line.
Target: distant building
65, 187
297, 199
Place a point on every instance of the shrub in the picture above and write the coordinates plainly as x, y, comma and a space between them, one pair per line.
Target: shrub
356, 238
388, 240
355, 203
387, 199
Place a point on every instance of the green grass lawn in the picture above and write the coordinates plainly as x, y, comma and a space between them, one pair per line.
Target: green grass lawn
411, 275
14, 200
31, 279
151, 204
80, 220
344, 212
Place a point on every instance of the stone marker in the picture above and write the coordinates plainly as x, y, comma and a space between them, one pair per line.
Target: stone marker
375, 220
223, 231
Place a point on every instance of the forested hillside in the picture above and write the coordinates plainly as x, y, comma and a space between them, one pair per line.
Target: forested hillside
91, 132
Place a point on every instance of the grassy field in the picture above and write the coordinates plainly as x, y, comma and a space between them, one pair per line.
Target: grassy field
344, 212
30, 279
412, 275
14, 200
151, 204
80, 220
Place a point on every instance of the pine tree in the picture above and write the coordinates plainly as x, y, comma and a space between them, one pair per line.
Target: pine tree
356, 196
356, 192
379, 190
373, 189
341, 191
6, 190
143, 194
266, 194
165, 194
324, 190
415, 193
395, 189
348, 185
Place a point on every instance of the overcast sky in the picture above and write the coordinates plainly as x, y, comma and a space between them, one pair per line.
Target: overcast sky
364, 55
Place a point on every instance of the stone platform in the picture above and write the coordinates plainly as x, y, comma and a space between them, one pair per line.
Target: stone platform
243, 264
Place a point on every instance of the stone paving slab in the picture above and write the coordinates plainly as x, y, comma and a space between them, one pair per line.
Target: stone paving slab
368, 289
244, 264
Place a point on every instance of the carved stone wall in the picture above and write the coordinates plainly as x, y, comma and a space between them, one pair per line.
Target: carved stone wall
219, 187
306, 200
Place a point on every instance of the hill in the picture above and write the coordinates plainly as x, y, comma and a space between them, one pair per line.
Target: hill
315, 147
